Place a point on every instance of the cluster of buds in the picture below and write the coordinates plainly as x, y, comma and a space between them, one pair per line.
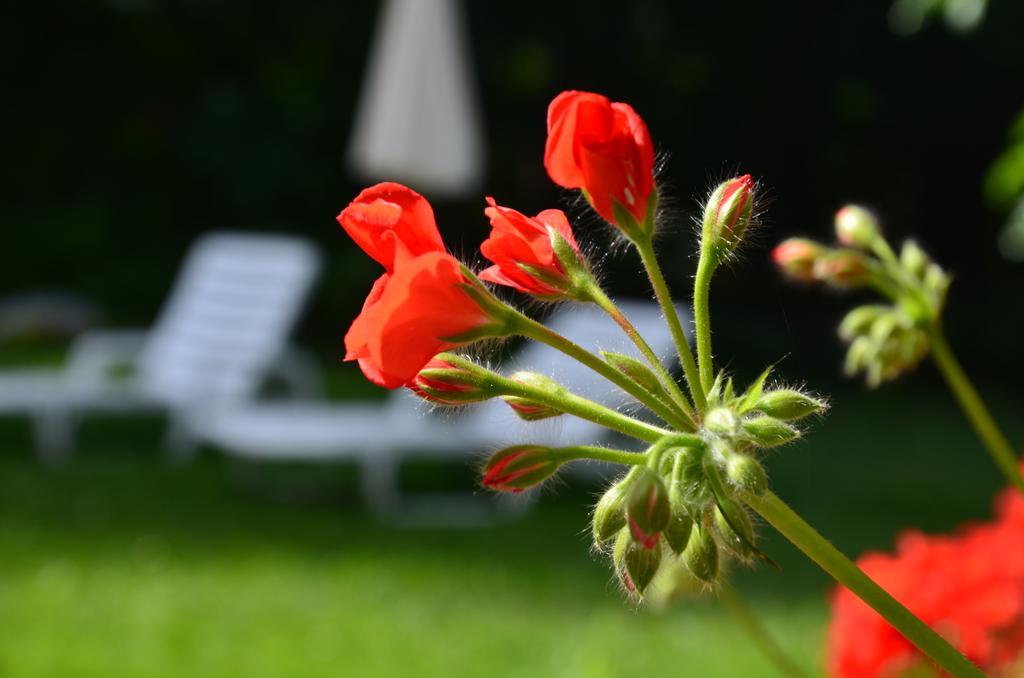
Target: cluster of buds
885, 339
685, 505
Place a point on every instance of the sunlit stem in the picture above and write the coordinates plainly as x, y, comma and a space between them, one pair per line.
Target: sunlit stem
1000, 449
732, 601
595, 453
844, 571
565, 401
679, 398
702, 315
645, 248
531, 329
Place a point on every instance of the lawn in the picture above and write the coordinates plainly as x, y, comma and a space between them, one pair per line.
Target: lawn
123, 565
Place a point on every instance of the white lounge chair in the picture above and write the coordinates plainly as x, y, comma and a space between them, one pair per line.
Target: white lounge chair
380, 436
222, 331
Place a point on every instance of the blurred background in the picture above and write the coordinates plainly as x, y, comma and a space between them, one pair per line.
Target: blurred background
137, 127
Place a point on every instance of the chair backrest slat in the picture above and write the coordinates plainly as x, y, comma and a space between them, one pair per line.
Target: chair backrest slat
230, 313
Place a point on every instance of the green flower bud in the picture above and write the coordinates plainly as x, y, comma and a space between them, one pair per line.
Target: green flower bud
856, 226
767, 431
443, 383
634, 564
788, 404
859, 320
747, 474
647, 508
677, 532
734, 526
701, 554
722, 420
530, 410
610, 512
913, 259
690, 476
638, 372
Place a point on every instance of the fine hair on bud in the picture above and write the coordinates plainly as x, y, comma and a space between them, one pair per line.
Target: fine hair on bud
734, 526
789, 404
701, 554
610, 511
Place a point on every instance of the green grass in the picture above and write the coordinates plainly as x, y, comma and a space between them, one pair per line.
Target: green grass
122, 565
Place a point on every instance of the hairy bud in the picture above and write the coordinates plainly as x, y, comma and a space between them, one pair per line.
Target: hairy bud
722, 420
701, 554
610, 512
443, 383
530, 410
728, 212
647, 508
856, 226
788, 404
635, 565
734, 526
768, 431
520, 467
747, 474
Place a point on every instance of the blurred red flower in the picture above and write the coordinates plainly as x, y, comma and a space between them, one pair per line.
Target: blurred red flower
518, 240
603, 148
969, 587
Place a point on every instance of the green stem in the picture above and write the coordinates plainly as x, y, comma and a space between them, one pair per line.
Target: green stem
601, 454
974, 408
532, 329
598, 296
564, 400
732, 601
645, 247
844, 571
702, 317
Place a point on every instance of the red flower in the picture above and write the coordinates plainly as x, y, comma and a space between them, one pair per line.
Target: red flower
603, 148
969, 587
390, 221
518, 239
410, 317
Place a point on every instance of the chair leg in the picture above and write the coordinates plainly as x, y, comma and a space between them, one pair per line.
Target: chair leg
181, 446
380, 486
54, 431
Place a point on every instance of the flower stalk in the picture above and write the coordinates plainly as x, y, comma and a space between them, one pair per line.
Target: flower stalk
843, 570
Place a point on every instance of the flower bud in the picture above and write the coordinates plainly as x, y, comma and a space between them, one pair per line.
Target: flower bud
445, 384
520, 467
747, 474
610, 512
638, 372
856, 226
701, 554
531, 410
788, 404
767, 431
796, 258
842, 268
689, 475
647, 508
677, 532
635, 565
859, 320
722, 420
728, 212
913, 259
734, 526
